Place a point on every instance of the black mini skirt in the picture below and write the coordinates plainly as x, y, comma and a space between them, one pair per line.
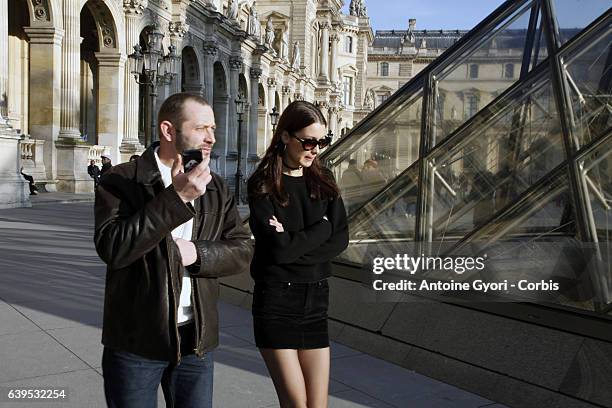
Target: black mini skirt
289, 315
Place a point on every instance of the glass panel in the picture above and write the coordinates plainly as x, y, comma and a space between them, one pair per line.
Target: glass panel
376, 153
536, 242
385, 223
598, 181
540, 49
472, 80
575, 15
493, 161
588, 73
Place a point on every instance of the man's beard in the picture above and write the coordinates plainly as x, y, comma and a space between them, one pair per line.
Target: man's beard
181, 146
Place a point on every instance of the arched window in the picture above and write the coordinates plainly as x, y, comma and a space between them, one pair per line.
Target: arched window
509, 71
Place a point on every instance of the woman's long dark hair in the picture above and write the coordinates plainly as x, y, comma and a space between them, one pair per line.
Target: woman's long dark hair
267, 178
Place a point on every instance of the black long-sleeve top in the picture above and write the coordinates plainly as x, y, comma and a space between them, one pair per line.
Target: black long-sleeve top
302, 253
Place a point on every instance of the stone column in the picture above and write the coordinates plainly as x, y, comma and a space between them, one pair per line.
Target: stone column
334, 57
235, 68
71, 72
263, 131
324, 74
18, 84
177, 30
255, 74
4, 75
45, 88
14, 191
72, 154
210, 52
218, 158
333, 122
111, 69
130, 144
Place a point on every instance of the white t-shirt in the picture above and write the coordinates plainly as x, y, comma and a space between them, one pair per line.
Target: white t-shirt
185, 311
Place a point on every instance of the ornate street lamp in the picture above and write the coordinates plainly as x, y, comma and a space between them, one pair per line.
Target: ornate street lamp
330, 135
154, 68
240, 109
273, 119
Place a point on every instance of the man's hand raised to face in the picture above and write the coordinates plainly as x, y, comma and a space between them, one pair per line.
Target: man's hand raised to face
191, 185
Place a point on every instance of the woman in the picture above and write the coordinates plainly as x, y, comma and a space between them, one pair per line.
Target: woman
299, 223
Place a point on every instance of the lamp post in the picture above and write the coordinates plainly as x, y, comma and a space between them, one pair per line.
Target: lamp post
273, 119
155, 68
240, 108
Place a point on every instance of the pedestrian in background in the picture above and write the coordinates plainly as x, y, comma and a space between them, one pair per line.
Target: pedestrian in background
106, 164
94, 172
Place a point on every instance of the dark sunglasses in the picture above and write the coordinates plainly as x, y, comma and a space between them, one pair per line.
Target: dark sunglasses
309, 144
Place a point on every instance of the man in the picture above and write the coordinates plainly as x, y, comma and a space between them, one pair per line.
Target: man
94, 172
30, 180
106, 164
166, 237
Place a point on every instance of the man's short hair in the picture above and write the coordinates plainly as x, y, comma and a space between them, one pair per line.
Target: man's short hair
172, 108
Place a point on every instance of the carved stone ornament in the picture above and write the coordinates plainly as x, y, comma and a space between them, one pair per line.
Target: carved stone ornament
271, 82
134, 6
41, 10
323, 104
235, 63
296, 59
232, 10
210, 48
178, 28
255, 73
357, 8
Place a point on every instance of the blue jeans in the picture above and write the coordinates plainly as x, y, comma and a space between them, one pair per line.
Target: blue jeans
132, 381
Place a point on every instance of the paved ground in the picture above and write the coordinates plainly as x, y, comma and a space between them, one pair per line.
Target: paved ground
51, 297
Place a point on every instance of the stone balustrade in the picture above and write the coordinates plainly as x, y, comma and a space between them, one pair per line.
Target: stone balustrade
27, 148
95, 153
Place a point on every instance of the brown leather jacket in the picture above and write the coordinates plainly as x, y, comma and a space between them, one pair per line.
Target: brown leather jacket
135, 215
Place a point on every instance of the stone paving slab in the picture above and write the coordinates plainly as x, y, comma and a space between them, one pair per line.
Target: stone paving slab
51, 297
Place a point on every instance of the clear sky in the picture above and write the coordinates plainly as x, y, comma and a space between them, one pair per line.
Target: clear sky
465, 14
430, 14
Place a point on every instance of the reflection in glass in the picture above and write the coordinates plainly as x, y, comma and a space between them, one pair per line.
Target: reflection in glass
495, 181
537, 241
598, 179
385, 223
491, 163
376, 154
472, 80
588, 74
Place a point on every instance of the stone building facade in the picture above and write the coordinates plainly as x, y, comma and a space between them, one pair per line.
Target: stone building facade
396, 56
68, 93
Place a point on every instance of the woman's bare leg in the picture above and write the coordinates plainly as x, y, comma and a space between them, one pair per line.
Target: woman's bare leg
286, 373
315, 368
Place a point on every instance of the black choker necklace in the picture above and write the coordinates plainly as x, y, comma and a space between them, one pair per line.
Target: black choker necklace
291, 168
